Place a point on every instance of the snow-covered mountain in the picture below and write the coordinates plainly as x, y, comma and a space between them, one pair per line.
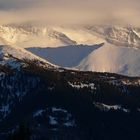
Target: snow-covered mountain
10, 55
55, 36
89, 48
65, 56
118, 35
113, 59
102, 58
40, 100
29, 36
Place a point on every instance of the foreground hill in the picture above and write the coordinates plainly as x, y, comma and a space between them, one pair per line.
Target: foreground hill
40, 103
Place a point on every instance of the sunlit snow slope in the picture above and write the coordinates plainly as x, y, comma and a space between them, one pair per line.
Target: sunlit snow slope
109, 58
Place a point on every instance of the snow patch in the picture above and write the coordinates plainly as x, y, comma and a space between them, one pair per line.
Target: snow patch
82, 85
106, 107
38, 113
5, 110
54, 109
52, 120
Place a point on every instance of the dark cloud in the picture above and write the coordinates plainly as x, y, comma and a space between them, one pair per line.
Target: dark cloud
16, 4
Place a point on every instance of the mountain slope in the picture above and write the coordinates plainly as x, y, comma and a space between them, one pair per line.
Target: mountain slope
68, 104
100, 58
66, 56
118, 35
55, 36
10, 55
29, 36
109, 58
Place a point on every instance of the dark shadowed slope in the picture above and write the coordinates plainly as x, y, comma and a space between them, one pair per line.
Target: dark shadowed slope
67, 56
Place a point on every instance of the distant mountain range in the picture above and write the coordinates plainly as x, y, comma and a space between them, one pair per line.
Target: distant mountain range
88, 48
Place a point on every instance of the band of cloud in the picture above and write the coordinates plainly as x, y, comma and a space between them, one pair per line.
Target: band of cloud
70, 11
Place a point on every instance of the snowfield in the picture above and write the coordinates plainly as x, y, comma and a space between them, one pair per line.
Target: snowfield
109, 58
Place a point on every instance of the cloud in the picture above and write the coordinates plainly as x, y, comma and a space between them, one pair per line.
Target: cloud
70, 11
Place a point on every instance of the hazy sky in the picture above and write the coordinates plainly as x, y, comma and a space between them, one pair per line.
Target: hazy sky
71, 11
